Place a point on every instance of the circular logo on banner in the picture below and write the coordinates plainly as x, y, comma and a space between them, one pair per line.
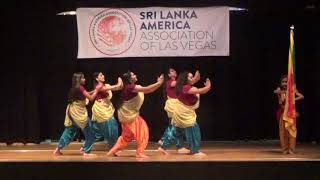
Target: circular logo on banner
112, 31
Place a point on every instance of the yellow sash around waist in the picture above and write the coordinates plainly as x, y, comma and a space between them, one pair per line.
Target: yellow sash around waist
102, 109
184, 115
170, 106
78, 112
129, 110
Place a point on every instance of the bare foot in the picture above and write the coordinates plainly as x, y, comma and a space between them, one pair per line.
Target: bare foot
112, 154
81, 150
89, 154
141, 155
57, 152
18, 144
199, 154
183, 151
162, 151
291, 151
30, 144
285, 151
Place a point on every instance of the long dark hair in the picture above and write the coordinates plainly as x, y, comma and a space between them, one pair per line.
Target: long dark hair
181, 80
74, 92
166, 78
126, 78
95, 75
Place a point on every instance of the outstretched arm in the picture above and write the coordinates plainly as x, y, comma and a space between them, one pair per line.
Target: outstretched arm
115, 87
203, 90
150, 88
92, 94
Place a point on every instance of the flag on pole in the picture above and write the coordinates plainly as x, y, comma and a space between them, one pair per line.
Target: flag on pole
289, 115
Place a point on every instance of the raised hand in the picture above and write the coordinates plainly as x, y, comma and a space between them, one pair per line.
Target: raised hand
120, 81
160, 79
207, 83
197, 75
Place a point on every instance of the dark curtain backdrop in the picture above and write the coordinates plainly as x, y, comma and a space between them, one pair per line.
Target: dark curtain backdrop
40, 51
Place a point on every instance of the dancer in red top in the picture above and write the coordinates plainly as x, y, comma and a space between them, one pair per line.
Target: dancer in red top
184, 116
133, 125
170, 134
288, 143
77, 115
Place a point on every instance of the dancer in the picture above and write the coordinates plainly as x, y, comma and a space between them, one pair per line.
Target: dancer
103, 122
287, 141
169, 133
133, 125
77, 115
184, 116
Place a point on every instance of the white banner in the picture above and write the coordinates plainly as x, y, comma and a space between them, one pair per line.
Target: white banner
153, 32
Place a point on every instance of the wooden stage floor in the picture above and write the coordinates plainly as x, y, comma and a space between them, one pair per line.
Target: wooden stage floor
216, 152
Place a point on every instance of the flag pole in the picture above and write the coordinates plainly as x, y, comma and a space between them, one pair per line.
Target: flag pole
289, 115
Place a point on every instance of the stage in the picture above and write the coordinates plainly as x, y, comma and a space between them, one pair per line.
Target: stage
216, 151
224, 160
